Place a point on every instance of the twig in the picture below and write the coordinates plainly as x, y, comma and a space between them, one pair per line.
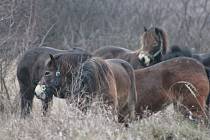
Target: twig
45, 36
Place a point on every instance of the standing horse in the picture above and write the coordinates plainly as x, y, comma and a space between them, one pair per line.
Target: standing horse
112, 80
168, 81
30, 70
176, 51
153, 46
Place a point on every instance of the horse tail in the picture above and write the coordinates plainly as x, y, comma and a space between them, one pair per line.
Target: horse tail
132, 99
94, 75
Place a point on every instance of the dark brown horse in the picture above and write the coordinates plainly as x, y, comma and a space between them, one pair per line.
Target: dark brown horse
30, 70
180, 78
111, 80
176, 51
153, 45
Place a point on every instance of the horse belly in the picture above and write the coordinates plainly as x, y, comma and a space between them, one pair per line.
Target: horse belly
150, 92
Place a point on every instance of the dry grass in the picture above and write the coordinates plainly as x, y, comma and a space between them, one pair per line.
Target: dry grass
67, 122
25, 23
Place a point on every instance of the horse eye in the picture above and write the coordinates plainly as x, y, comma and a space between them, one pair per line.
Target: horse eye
47, 73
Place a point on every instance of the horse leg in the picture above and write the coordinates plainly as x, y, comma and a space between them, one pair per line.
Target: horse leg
208, 102
27, 95
179, 107
132, 112
194, 108
208, 105
126, 114
46, 107
132, 93
201, 112
123, 114
187, 103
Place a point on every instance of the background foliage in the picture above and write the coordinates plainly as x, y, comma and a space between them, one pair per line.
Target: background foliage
91, 24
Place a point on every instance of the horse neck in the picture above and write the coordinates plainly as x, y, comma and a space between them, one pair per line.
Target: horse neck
158, 58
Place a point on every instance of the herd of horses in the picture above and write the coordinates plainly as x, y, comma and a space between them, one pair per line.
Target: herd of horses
130, 82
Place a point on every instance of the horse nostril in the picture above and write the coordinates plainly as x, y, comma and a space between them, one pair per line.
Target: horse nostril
143, 59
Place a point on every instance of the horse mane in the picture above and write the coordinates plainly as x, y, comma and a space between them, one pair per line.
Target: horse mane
176, 51
94, 75
68, 62
164, 37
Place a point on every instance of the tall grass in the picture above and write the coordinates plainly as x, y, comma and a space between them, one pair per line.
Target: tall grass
67, 122
91, 24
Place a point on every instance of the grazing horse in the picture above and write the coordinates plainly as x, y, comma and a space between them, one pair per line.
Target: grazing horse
30, 70
169, 81
176, 51
153, 46
111, 80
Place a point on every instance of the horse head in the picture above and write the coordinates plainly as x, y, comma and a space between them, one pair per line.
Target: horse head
59, 71
153, 46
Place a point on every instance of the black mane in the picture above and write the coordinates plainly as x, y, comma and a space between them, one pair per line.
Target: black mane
176, 51
94, 72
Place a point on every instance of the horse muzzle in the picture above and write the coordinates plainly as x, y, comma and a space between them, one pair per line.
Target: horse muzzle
40, 92
144, 59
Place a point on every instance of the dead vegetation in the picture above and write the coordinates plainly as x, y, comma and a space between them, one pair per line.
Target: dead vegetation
91, 24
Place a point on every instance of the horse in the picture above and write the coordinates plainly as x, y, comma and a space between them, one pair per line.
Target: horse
180, 79
153, 46
111, 80
204, 58
176, 51
30, 70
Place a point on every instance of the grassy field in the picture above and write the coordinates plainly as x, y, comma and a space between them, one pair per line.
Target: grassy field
90, 24
67, 122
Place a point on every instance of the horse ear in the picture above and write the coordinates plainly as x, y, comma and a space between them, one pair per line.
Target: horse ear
156, 30
51, 56
145, 29
52, 59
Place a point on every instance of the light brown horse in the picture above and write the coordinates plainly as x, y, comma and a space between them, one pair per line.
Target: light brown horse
180, 78
153, 44
111, 80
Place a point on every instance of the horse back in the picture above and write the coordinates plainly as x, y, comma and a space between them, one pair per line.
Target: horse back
109, 52
112, 52
175, 70
31, 65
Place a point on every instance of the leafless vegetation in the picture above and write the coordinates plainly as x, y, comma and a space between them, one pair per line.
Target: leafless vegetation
91, 24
